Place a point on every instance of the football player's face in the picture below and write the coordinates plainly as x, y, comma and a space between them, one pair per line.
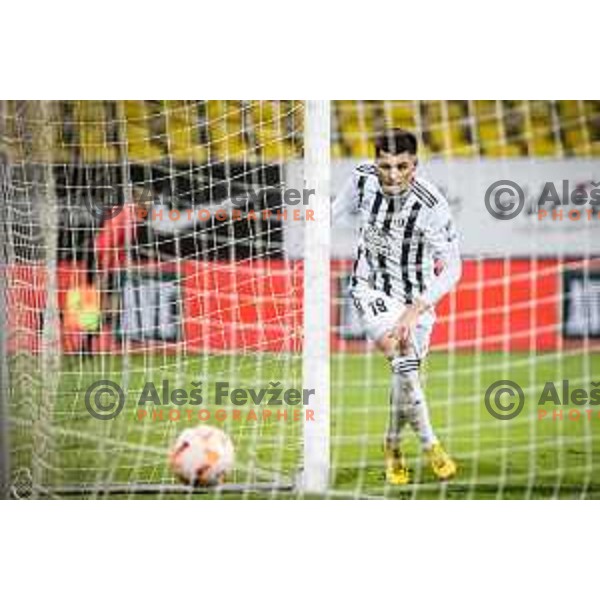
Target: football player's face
395, 171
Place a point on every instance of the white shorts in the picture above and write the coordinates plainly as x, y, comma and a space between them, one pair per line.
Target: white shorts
379, 314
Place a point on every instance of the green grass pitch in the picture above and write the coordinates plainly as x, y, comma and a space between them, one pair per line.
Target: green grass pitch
521, 458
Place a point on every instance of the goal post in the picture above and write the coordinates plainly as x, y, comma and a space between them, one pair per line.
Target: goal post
41, 118
317, 284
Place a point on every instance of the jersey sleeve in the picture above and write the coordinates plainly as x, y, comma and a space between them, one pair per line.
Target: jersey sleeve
346, 201
443, 239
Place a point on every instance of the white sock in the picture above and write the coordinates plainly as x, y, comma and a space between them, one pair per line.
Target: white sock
410, 399
399, 413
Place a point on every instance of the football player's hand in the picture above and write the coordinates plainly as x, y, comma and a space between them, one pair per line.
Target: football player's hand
438, 266
408, 321
406, 324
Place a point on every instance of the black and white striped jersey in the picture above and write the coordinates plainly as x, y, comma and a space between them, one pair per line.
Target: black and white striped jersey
400, 237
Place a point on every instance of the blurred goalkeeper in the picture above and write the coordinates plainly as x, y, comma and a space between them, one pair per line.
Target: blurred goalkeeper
111, 249
407, 259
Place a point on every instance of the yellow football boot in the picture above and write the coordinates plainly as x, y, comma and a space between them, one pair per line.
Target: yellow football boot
441, 464
396, 471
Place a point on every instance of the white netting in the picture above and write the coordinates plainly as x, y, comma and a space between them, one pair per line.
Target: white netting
527, 308
195, 298
189, 295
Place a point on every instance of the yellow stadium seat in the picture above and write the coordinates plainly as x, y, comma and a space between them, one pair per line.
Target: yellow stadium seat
575, 137
400, 109
456, 132
350, 128
583, 151
447, 122
360, 148
436, 138
92, 126
591, 107
489, 133
540, 111
63, 151
271, 122
503, 151
347, 110
579, 142
494, 144
356, 123
399, 114
274, 149
569, 108
485, 108
397, 123
264, 112
198, 131
182, 127
226, 130
451, 142
141, 143
542, 147
357, 111
540, 139
434, 111
270, 115
456, 110
464, 150
229, 146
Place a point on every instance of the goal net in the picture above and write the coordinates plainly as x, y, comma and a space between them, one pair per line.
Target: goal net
187, 221
168, 218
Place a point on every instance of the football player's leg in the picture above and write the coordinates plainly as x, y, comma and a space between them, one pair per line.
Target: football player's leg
442, 465
400, 401
378, 314
420, 420
405, 362
398, 415
414, 351
410, 397
396, 469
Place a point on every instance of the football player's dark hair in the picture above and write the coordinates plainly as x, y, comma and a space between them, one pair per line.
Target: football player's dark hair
395, 141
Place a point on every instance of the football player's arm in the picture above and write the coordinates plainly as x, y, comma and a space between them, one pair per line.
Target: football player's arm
447, 262
444, 241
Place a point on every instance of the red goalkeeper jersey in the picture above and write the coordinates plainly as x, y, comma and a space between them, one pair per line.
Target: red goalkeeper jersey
112, 237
